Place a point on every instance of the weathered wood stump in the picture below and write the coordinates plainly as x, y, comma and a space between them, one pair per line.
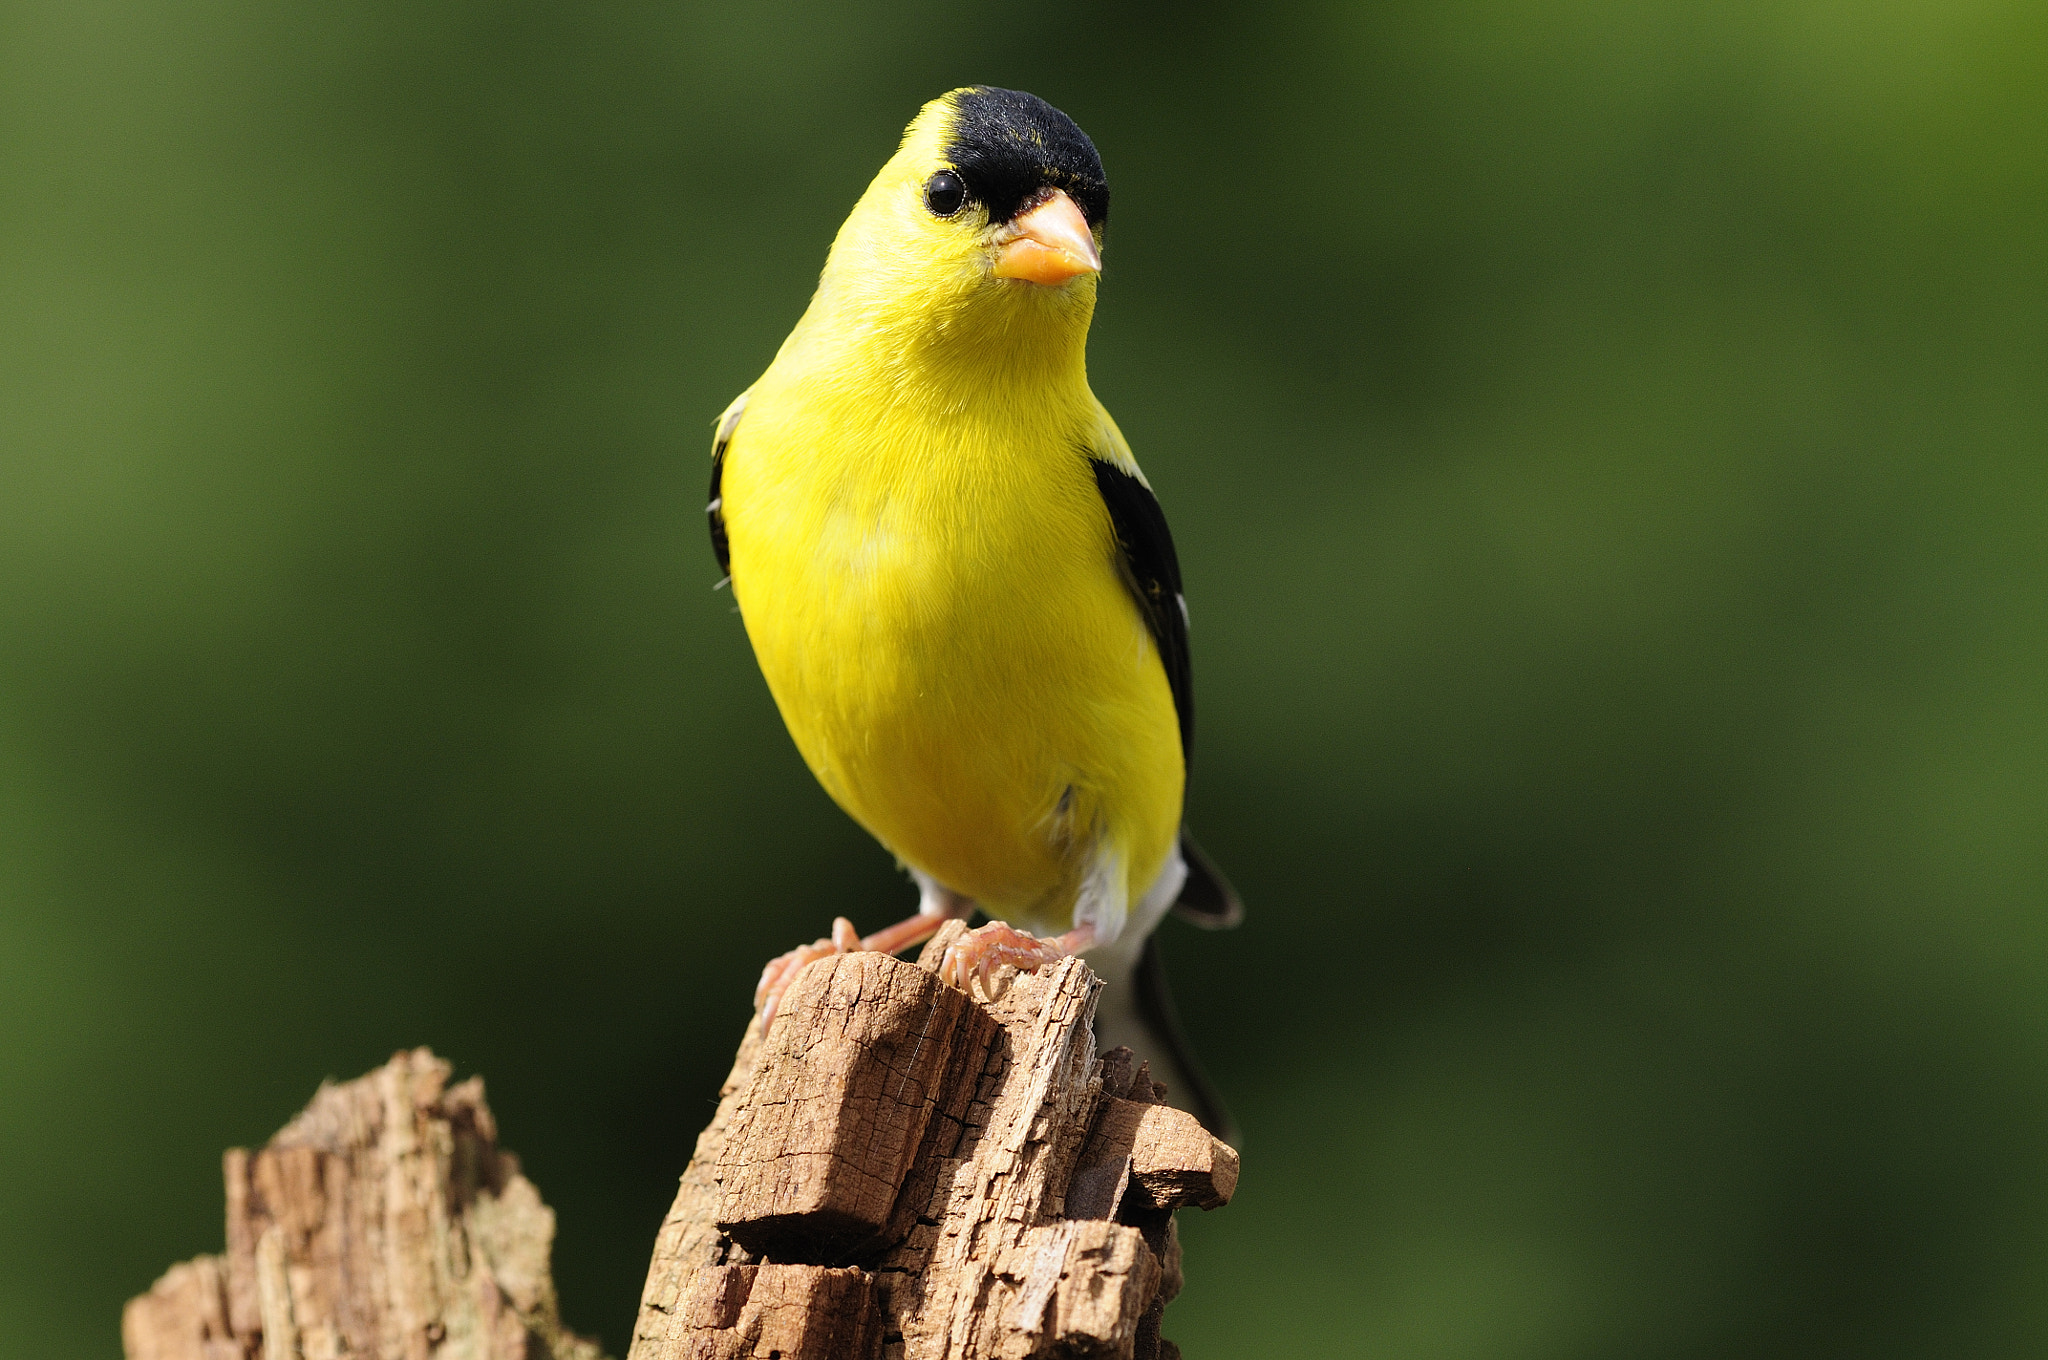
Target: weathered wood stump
898, 1171
384, 1221
902, 1171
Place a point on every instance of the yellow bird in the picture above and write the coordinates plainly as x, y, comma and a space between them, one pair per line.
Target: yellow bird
958, 584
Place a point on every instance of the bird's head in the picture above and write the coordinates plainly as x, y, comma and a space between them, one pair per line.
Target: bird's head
987, 221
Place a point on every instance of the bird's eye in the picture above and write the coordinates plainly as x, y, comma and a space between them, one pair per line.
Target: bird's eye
944, 193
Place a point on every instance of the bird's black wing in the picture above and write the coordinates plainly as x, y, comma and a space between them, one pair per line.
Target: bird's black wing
715, 510
1146, 558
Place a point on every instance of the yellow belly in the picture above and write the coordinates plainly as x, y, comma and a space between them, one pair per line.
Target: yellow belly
939, 616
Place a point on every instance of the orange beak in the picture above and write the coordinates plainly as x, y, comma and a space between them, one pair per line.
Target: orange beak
1048, 245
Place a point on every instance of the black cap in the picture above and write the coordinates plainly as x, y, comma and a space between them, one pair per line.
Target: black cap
1010, 147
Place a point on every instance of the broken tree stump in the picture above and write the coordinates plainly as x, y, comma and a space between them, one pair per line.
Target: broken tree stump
901, 1172
897, 1172
384, 1221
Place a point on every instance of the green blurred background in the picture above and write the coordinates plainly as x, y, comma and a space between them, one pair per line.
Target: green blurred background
1606, 445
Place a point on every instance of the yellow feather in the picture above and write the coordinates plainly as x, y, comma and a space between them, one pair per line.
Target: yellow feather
928, 574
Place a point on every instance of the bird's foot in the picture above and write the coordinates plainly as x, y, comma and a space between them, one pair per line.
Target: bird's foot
782, 970
844, 939
979, 955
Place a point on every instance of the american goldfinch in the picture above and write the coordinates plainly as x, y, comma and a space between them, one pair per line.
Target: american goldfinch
958, 584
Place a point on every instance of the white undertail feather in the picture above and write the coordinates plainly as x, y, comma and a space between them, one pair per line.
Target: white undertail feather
1115, 953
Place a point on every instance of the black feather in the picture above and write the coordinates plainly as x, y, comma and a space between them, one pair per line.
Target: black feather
1146, 558
715, 507
1206, 899
1011, 147
1151, 570
1161, 1020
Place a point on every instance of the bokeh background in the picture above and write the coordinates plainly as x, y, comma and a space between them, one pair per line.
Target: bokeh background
1606, 444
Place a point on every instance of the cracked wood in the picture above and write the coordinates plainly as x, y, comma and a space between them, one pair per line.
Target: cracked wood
384, 1221
970, 1167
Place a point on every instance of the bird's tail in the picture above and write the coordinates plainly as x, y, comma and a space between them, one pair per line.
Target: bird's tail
1206, 898
1138, 1012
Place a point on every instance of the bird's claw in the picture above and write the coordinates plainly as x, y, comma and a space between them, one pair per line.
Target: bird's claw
978, 957
782, 970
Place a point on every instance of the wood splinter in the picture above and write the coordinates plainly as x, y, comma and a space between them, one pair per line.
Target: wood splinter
901, 1171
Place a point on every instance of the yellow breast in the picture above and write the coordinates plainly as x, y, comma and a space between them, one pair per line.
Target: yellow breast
934, 599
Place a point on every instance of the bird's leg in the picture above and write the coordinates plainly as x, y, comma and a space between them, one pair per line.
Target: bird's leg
939, 906
980, 953
901, 936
